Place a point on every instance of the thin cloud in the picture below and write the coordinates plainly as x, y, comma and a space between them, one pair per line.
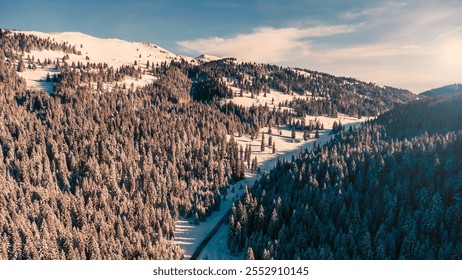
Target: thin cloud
409, 45
265, 44
381, 9
442, 36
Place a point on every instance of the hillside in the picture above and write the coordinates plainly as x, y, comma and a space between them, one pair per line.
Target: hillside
303, 91
437, 115
446, 90
367, 194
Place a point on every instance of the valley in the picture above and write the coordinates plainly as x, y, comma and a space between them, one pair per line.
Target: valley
113, 149
189, 236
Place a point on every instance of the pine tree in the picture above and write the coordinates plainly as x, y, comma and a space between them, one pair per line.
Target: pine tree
334, 127
21, 66
267, 254
306, 135
303, 124
249, 254
254, 164
262, 144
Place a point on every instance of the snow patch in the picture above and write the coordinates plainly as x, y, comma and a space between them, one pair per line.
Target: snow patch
207, 58
273, 98
36, 79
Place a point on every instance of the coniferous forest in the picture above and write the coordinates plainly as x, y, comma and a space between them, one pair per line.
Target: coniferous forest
391, 189
95, 172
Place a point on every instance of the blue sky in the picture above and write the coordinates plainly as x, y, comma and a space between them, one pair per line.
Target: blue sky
409, 44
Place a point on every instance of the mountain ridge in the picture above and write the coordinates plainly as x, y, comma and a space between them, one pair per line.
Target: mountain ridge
444, 90
117, 52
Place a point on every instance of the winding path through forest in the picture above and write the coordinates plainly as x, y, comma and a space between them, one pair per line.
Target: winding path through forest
208, 239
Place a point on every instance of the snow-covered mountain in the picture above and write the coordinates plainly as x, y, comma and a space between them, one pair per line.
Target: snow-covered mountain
113, 52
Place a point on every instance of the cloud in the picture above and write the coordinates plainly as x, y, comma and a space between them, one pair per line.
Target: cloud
416, 45
265, 44
383, 8
413, 45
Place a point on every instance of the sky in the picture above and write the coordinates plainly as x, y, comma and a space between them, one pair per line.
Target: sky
416, 45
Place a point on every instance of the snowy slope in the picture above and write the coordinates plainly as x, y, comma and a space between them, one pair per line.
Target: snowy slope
207, 58
273, 98
113, 52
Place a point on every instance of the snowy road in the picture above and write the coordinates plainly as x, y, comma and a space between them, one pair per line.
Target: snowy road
208, 240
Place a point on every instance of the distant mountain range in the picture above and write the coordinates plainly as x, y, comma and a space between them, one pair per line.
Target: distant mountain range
446, 90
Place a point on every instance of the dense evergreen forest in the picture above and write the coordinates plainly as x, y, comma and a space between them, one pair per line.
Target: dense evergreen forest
391, 189
92, 176
90, 172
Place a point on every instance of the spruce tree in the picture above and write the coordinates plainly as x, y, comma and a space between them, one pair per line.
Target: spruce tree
249, 254
262, 144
